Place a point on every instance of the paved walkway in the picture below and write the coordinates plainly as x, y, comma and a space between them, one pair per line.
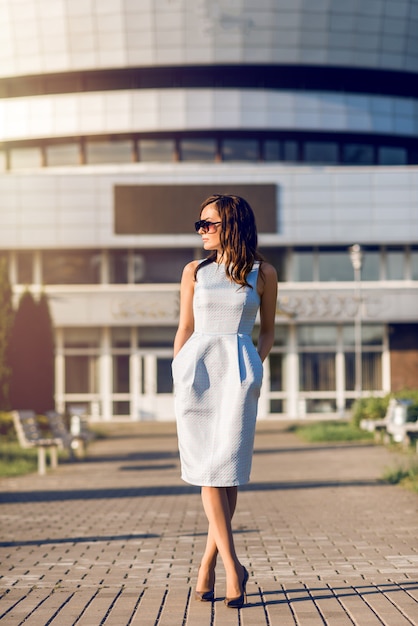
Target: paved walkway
116, 540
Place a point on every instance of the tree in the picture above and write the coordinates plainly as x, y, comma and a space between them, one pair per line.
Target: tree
6, 323
32, 356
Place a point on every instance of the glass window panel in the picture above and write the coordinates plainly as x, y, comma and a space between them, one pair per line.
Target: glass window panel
358, 154
371, 374
371, 265
63, 154
121, 407
71, 267
371, 371
414, 264
240, 150
81, 408
389, 155
302, 266
271, 150
21, 158
318, 405
82, 338
198, 149
121, 337
152, 337
276, 372
156, 149
277, 258
164, 376
280, 335
317, 371
321, 152
109, 151
160, 265
118, 266
335, 266
24, 268
290, 151
317, 335
276, 406
372, 334
395, 264
81, 374
121, 373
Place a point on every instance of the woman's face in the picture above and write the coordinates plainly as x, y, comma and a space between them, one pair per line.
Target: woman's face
211, 240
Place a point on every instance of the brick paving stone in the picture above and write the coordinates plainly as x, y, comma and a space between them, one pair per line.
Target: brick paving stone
116, 539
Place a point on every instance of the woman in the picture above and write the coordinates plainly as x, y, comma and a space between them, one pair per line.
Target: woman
217, 373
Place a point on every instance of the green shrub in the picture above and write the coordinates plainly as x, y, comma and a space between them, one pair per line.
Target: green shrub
15, 461
403, 474
7, 429
375, 407
372, 408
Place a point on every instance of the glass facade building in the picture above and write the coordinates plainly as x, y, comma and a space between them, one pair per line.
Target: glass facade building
118, 118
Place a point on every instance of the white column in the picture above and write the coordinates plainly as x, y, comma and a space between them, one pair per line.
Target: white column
340, 380
340, 374
59, 371
37, 268
13, 267
386, 361
105, 369
134, 384
292, 374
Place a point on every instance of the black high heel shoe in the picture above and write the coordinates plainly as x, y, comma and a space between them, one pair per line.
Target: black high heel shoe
206, 596
239, 601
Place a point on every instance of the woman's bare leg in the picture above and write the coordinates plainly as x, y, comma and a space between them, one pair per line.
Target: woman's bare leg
217, 508
206, 575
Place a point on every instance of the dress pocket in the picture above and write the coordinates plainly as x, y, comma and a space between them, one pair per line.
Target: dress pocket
182, 362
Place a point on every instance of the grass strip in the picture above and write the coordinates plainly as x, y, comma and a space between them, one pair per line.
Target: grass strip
16, 461
332, 430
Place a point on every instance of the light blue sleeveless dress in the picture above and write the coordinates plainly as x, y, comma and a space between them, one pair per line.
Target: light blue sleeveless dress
217, 376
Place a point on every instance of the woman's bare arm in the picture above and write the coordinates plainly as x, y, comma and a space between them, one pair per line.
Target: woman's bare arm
186, 320
268, 305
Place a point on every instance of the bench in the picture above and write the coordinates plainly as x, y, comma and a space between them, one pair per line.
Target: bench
75, 442
394, 426
30, 436
411, 434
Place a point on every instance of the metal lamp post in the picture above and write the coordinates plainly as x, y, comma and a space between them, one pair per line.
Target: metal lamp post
356, 257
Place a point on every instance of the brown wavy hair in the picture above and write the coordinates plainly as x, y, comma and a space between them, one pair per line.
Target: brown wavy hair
238, 237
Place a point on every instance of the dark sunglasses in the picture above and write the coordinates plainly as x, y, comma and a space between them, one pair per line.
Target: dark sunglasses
207, 227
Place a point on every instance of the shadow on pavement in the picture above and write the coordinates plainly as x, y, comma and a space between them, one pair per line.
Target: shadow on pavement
96, 539
315, 448
308, 594
167, 490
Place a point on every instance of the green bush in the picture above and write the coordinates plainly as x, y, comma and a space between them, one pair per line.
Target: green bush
372, 408
7, 429
405, 474
375, 407
15, 461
